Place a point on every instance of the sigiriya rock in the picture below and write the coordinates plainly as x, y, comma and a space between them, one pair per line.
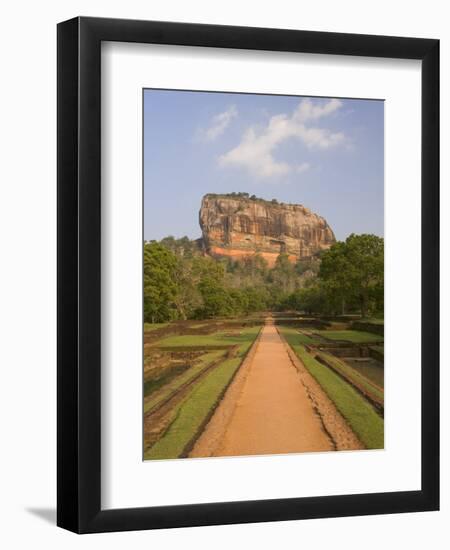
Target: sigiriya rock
237, 225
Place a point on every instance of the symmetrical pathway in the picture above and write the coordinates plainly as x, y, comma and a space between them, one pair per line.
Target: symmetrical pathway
270, 411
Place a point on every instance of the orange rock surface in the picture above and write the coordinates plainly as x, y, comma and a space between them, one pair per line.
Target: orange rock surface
236, 226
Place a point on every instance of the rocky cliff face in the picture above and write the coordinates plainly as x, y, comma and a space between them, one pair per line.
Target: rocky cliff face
237, 226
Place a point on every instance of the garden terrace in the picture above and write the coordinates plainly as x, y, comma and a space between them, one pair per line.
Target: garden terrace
344, 361
187, 369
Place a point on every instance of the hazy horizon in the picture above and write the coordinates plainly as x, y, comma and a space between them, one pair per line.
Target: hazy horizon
326, 154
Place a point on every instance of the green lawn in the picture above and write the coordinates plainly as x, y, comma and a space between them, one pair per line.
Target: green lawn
355, 336
357, 411
294, 337
222, 338
172, 386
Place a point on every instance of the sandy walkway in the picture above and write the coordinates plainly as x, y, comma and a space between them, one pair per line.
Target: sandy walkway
271, 412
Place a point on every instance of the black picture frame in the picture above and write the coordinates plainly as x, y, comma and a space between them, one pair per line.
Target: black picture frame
79, 280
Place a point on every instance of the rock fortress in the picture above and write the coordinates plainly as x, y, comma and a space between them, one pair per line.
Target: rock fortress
237, 225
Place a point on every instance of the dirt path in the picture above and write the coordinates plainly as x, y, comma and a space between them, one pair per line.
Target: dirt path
266, 410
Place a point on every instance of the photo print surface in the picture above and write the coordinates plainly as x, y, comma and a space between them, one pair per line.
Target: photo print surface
263, 274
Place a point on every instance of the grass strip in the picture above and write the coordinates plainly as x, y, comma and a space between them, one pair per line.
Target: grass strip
359, 414
153, 400
371, 320
295, 337
169, 373
200, 347
148, 327
355, 336
354, 376
222, 338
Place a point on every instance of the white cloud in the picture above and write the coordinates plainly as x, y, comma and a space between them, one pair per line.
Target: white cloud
219, 124
307, 110
303, 167
255, 151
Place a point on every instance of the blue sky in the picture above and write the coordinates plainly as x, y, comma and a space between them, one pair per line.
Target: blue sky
324, 153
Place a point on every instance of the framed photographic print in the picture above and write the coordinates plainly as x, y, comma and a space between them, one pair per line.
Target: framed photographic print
248, 308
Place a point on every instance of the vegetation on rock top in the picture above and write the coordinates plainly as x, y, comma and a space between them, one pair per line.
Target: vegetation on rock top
246, 196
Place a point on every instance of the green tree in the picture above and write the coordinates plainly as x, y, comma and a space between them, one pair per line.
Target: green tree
255, 298
366, 258
216, 299
188, 298
283, 275
160, 288
181, 283
249, 271
309, 299
334, 272
183, 247
354, 269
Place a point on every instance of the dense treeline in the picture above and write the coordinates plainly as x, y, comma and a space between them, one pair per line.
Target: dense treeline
181, 283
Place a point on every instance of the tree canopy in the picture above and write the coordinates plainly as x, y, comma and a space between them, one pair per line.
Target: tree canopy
180, 282
354, 270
